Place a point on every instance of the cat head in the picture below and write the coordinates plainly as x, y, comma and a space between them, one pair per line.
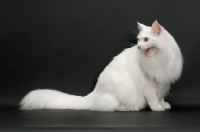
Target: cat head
158, 53
150, 39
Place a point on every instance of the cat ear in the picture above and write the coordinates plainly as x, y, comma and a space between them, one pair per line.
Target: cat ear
156, 28
140, 26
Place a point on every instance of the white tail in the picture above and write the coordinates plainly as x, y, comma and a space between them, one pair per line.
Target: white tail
52, 99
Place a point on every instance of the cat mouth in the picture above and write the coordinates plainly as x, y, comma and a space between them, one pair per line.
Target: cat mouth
149, 51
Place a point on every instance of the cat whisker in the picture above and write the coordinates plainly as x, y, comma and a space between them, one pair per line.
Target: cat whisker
135, 32
129, 42
125, 44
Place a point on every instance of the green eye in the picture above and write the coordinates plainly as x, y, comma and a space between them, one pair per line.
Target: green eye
146, 39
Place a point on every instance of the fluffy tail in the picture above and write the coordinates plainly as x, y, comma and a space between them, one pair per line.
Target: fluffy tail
52, 99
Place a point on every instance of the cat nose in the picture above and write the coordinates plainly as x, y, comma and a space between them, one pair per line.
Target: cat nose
138, 47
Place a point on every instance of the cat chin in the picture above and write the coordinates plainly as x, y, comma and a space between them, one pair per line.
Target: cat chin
149, 51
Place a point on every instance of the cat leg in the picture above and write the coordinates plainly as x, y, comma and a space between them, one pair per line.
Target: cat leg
162, 91
166, 105
152, 100
104, 102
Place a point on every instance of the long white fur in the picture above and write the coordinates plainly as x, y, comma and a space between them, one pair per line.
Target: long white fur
130, 82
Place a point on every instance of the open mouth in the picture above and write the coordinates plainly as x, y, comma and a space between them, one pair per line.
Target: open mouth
149, 51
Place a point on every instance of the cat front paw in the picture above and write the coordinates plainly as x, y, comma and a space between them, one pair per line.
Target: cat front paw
166, 105
157, 107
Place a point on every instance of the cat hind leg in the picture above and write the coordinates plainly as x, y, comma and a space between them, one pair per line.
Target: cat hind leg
105, 102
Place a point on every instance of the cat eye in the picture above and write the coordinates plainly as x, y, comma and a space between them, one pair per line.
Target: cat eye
146, 39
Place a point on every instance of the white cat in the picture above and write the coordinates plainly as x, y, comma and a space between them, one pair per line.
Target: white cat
138, 76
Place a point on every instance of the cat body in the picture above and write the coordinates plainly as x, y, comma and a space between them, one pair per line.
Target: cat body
137, 77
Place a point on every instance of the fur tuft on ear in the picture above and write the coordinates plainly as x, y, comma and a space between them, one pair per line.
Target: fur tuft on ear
156, 28
140, 26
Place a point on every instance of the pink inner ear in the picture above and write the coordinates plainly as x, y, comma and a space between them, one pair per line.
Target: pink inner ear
156, 28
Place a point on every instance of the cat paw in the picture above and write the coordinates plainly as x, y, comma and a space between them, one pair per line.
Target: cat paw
157, 107
166, 105
121, 108
128, 109
135, 109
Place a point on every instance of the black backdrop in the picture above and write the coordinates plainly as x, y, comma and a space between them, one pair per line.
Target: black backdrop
65, 44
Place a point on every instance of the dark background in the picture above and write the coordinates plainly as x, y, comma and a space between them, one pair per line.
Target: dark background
65, 44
